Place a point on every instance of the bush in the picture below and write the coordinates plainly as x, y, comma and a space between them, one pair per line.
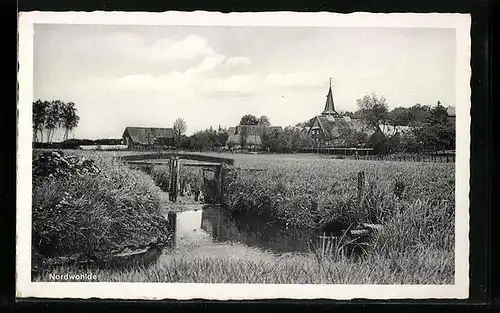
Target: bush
92, 213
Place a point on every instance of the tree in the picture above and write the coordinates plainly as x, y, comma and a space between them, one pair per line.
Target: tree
399, 116
418, 114
52, 115
264, 121
69, 118
431, 129
179, 129
208, 139
438, 115
53, 118
373, 109
39, 117
249, 119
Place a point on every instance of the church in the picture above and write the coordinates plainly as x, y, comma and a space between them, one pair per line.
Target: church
330, 129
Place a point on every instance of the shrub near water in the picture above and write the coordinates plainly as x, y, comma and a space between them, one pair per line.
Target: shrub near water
314, 192
92, 213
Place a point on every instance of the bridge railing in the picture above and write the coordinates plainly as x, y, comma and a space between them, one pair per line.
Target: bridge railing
185, 156
215, 163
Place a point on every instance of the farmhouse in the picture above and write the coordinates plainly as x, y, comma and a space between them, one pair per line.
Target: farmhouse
148, 136
332, 129
249, 135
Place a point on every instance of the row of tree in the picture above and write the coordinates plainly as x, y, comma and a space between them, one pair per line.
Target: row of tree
250, 119
427, 128
49, 116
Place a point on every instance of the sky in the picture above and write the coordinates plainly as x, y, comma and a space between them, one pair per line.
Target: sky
120, 76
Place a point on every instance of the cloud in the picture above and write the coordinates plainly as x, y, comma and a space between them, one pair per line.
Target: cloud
211, 62
190, 47
171, 82
236, 85
298, 79
235, 61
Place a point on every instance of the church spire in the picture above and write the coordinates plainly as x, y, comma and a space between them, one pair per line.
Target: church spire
329, 106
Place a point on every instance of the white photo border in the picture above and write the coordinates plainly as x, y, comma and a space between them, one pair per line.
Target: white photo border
183, 291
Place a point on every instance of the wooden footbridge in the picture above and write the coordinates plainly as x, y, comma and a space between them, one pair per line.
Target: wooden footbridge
175, 160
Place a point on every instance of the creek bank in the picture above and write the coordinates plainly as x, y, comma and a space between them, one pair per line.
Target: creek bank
91, 210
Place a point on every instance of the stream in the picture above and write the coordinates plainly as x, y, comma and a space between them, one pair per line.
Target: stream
211, 231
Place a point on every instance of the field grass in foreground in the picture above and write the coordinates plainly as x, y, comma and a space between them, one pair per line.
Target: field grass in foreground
420, 267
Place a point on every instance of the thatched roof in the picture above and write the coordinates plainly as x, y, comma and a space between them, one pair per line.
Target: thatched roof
231, 131
249, 134
329, 124
256, 130
147, 135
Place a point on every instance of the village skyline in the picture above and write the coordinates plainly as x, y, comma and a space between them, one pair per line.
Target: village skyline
212, 76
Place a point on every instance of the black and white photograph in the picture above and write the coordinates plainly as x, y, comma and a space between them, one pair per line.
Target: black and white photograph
240, 156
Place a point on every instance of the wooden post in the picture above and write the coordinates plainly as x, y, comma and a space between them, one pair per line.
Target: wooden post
170, 178
172, 225
361, 183
174, 179
177, 177
218, 183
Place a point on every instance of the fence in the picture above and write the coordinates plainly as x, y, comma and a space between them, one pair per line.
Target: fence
435, 158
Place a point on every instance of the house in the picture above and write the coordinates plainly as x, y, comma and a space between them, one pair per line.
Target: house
391, 130
332, 129
148, 136
451, 114
249, 135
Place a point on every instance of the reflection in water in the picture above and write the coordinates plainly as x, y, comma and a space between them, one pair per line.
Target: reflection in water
186, 227
204, 228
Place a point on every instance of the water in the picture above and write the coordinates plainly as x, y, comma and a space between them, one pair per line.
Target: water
211, 231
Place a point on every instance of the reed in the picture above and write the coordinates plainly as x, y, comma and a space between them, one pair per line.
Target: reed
432, 267
93, 215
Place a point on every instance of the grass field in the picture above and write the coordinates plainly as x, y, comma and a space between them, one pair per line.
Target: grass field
414, 201
420, 267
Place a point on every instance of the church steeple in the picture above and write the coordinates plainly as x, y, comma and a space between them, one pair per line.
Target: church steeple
329, 106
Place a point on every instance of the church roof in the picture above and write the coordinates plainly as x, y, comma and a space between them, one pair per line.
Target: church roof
329, 106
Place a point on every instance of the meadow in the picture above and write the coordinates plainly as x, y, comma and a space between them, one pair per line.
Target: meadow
413, 201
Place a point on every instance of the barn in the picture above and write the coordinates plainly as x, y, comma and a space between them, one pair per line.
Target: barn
249, 135
137, 137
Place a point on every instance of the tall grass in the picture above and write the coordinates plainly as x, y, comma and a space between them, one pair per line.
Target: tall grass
94, 215
426, 268
312, 193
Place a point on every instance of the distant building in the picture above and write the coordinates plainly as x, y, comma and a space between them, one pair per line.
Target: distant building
331, 129
249, 135
451, 114
390, 130
135, 137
